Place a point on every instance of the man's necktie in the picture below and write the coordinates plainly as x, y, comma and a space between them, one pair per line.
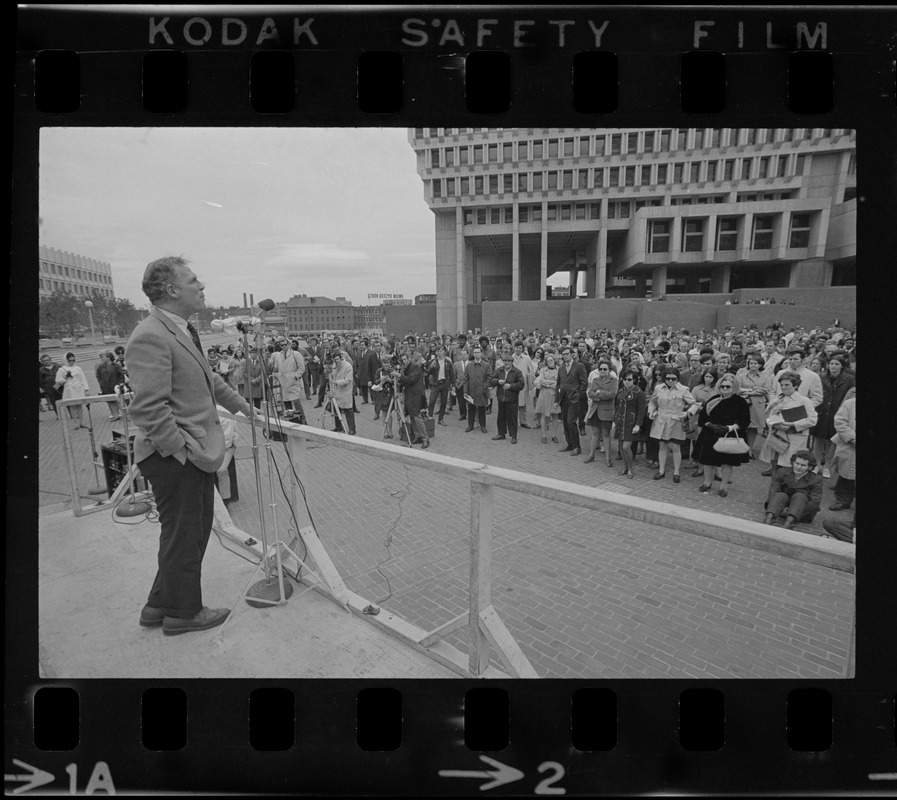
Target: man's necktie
195, 336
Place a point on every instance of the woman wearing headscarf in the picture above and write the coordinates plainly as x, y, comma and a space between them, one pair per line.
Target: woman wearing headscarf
73, 383
724, 414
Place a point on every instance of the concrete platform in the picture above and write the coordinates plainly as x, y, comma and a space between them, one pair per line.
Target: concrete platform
93, 578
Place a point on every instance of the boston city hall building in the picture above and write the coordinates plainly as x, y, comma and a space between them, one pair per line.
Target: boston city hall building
635, 213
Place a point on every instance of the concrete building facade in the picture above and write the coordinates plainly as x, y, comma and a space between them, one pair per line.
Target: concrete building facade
635, 212
80, 275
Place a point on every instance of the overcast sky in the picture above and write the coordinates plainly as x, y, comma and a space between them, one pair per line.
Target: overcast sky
268, 211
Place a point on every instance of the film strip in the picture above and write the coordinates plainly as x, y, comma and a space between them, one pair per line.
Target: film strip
498, 67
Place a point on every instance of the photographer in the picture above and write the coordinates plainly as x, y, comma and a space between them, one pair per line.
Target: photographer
71, 380
411, 380
342, 388
383, 388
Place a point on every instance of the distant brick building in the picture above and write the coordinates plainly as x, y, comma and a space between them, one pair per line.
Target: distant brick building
309, 314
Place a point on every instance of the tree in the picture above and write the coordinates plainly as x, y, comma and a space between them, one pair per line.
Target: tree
62, 313
103, 311
125, 316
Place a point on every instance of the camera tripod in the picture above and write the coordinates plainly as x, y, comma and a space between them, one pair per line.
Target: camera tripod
396, 410
332, 407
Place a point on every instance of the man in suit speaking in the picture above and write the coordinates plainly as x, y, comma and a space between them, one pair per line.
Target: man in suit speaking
179, 444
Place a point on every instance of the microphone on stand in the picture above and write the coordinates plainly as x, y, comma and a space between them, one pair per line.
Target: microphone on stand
233, 325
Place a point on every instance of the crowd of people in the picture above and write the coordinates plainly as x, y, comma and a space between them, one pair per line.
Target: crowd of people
712, 401
767, 301
65, 381
709, 401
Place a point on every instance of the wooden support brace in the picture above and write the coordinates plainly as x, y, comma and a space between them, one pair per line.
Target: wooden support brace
325, 567
482, 506
505, 645
461, 621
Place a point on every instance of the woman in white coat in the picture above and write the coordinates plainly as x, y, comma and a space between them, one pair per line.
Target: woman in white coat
73, 383
796, 431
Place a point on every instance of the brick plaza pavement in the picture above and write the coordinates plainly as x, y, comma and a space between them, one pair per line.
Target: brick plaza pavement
586, 595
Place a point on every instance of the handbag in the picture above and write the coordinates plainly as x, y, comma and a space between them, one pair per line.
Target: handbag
777, 443
732, 444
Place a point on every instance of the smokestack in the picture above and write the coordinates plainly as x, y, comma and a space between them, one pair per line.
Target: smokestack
244, 300
251, 300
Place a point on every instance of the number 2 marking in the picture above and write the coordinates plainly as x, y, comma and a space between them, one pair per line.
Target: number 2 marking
546, 785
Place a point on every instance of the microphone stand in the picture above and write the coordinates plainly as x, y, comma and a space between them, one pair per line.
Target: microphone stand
267, 591
135, 508
96, 488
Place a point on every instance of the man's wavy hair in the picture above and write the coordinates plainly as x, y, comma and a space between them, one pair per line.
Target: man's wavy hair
159, 274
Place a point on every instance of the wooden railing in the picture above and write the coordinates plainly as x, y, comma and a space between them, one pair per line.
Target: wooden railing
486, 630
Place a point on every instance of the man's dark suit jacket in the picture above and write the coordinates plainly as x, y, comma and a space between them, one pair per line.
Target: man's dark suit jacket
572, 385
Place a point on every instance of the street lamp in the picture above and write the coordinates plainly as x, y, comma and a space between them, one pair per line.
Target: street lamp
93, 335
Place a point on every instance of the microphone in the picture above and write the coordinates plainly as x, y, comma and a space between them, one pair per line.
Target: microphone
265, 305
232, 325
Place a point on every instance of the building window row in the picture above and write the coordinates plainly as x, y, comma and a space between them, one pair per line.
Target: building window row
751, 197
48, 285
622, 176
49, 268
611, 144
693, 230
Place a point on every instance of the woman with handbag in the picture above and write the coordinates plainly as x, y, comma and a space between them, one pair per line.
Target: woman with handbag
723, 422
789, 419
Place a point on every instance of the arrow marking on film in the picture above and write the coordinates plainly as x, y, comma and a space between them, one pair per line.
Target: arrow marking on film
34, 778
501, 774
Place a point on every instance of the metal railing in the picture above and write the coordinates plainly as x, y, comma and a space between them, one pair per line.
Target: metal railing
487, 632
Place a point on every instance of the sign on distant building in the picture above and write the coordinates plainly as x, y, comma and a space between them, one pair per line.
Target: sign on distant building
385, 296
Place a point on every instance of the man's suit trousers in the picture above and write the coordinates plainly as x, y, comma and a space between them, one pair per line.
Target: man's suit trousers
185, 500
570, 419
